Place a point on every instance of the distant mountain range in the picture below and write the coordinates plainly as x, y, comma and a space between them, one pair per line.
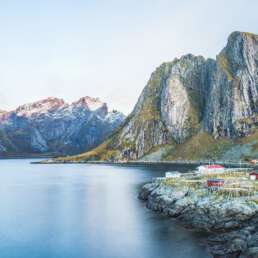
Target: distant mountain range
53, 127
193, 108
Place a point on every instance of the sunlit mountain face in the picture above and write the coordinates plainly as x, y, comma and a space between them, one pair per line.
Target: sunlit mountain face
54, 126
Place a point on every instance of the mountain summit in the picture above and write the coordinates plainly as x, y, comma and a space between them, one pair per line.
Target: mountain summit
52, 126
92, 104
193, 108
40, 107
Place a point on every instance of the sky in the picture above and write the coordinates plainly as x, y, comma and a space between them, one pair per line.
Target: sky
106, 49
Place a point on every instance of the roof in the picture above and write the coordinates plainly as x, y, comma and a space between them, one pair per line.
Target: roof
214, 166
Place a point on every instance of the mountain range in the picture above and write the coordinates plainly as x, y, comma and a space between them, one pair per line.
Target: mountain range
193, 108
54, 127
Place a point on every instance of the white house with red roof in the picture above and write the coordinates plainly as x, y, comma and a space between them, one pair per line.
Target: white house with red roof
211, 169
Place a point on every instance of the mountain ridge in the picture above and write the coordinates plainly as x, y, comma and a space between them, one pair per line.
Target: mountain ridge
194, 108
53, 126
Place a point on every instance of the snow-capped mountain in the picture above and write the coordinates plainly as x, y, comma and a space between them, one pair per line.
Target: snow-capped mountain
56, 127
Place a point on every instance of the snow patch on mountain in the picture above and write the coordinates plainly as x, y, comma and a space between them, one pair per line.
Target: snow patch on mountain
114, 116
52, 125
40, 107
92, 104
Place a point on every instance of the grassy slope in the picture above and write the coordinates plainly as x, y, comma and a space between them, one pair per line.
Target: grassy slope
102, 152
200, 146
204, 146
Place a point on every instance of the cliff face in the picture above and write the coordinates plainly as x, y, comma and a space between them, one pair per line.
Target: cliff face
53, 126
232, 108
170, 108
184, 95
192, 101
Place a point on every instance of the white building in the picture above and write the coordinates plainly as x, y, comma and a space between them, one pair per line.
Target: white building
173, 174
210, 169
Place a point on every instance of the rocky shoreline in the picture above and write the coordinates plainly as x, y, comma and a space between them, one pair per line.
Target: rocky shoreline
231, 223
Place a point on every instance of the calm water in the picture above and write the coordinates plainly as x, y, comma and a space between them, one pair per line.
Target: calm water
92, 211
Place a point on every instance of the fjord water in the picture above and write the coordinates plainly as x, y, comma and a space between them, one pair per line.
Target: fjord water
85, 211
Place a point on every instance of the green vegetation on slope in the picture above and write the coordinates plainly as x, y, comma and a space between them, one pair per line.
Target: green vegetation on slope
150, 109
200, 146
102, 152
225, 66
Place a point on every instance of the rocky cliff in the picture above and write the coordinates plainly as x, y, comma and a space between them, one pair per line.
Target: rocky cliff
194, 108
232, 106
55, 127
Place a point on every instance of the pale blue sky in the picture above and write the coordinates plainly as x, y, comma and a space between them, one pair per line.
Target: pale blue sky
106, 49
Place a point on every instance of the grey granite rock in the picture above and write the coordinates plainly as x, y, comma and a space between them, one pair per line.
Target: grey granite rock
233, 100
191, 95
232, 223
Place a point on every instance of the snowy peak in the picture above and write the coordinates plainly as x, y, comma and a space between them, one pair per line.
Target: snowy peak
92, 104
115, 116
55, 107
39, 107
54, 126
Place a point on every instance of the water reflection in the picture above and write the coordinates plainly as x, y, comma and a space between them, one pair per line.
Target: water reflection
77, 211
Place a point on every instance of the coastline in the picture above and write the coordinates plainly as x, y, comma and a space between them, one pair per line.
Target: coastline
155, 162
231, 223
29, 156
